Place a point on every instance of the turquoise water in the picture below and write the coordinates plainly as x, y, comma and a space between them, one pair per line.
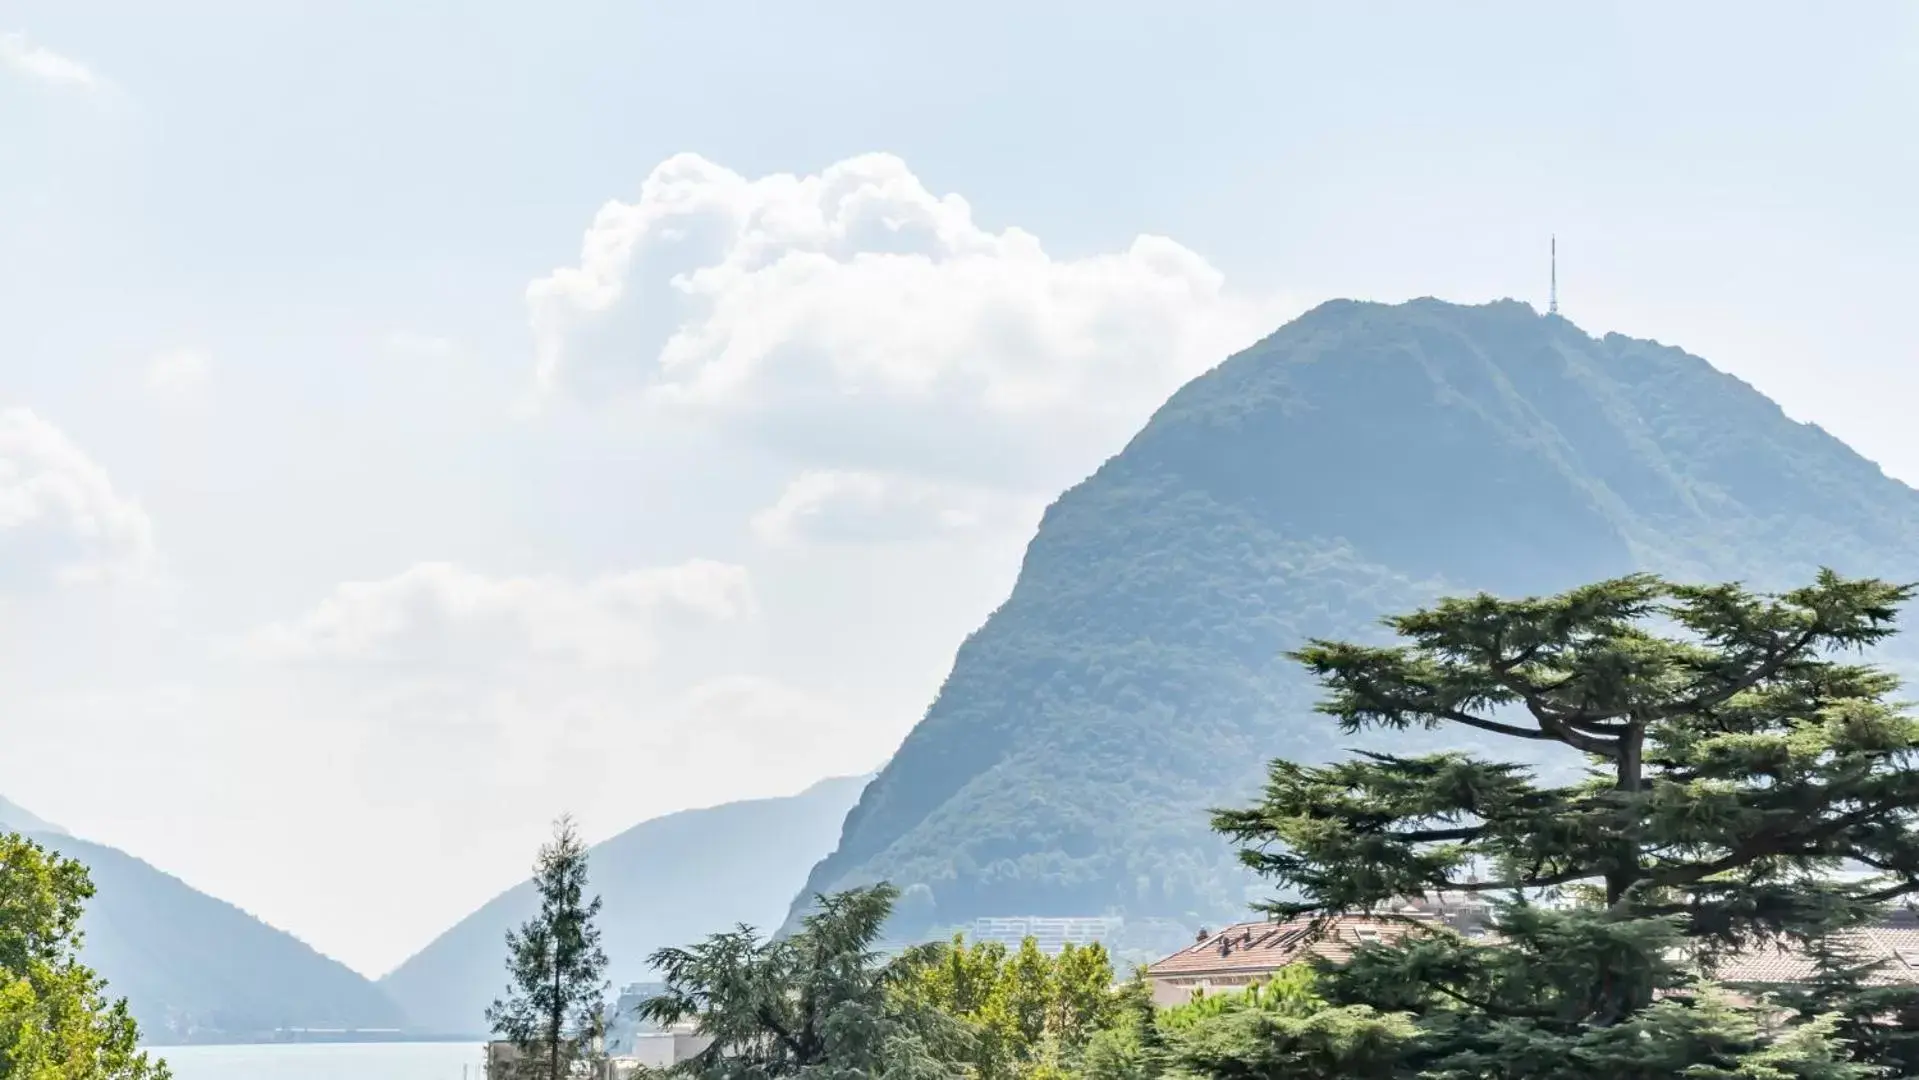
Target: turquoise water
325, 1061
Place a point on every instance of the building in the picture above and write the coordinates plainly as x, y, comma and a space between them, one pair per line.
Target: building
653, 1049
1894, 942
664, 1049
624, 1023
1247, 953
1051, 934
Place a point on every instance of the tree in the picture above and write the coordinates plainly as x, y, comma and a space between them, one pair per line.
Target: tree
1877, 1015
55, 1020
820, 1002
555, 1013
1284, 1031
1026, 1014
1734, 758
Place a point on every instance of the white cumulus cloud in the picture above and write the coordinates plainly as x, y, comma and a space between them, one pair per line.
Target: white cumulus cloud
21, 55
59, 510
441, 616
857, 318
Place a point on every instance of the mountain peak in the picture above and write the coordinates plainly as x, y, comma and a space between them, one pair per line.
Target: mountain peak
1355, 463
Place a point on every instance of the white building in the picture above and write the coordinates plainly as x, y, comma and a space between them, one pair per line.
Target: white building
1050, 934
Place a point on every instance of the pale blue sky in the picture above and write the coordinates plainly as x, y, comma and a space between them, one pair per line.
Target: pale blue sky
263, 273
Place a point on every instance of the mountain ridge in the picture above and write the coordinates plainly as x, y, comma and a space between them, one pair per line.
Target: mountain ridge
19, 819
659, 885
1357, 462
195, 968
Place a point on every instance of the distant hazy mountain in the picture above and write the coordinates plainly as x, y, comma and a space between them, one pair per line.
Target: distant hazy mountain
194, 968
15, 818
1356, 463
668, 881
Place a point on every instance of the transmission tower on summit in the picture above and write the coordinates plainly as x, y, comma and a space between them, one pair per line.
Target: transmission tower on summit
1552, 298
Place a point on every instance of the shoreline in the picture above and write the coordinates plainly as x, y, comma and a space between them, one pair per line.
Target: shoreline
316, 1039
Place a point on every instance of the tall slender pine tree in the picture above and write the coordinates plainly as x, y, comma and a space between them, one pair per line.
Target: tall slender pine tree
554, 1014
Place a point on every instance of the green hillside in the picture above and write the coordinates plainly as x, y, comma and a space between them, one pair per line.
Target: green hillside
667, 881
1355, 463
197, 969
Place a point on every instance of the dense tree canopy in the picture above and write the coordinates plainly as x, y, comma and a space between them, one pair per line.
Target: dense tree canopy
1282, 1028
1737, 759
1024, 1013
56, 1022
821, 1002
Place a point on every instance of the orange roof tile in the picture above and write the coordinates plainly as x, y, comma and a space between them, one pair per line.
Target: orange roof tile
1269, 946
1897, 944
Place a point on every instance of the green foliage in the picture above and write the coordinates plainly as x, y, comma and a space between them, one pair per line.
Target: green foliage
1025, 1015
819, 1002
1283, 1028
55, 1020
1705, 1038
1362, 460
554, 1012
1291, 991
1876, 1015
1735, 761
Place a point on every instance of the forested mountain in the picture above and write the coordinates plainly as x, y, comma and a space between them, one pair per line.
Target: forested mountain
667, 881
1356, 463
197, 969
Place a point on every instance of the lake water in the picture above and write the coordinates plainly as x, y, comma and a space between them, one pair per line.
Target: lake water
325, 1061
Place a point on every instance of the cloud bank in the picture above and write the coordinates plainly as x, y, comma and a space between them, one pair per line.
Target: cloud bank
441, 616
21, 56
60, 514
852, 318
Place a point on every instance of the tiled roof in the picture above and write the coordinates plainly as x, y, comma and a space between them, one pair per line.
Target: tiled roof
1261, 947
1269, 946
1897, 944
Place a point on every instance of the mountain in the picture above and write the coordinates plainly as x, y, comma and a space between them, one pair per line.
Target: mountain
668, 881
197, 969
1356, 463
15, 817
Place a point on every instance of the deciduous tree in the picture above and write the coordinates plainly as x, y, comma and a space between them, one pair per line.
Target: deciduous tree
56, 1022
1026, 1014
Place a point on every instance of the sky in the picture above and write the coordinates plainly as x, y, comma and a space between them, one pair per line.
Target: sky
420, 420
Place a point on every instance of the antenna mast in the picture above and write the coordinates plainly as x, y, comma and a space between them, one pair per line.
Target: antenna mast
1552, 301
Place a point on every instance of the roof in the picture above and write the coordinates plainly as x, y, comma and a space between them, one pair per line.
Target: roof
1256, 947
1896, 943
1263, 947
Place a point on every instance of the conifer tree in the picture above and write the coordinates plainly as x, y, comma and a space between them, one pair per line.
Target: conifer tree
820, 1003
555, 1012
1735, 756
1876, 1013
